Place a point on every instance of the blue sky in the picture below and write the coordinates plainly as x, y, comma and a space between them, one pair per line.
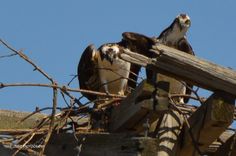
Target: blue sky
54, 33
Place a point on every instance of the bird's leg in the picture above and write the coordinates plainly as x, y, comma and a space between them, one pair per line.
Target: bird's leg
123, 87
181, 100
121, 92
105, 86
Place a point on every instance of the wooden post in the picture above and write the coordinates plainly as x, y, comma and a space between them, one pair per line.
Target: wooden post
139, 109
208, 122
133, 111
168, 133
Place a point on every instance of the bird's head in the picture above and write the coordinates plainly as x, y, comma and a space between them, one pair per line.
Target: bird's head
110, 52
183, 21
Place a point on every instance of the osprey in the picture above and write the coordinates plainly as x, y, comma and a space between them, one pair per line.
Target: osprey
113, 72
102, 70
175, 36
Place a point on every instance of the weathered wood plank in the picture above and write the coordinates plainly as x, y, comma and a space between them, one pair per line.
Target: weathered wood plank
213, 149
139, 108
225, 148
186, 67
118, 145
208, 122
100, 144
131, 114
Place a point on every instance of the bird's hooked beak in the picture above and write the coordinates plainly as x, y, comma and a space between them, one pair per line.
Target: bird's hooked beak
110, 55
185, 24
184, 21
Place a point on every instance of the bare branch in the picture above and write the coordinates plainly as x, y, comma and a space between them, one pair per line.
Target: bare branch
26, 142
10, 55
62, 88
37, 111
74, 76
51, 126
23, 56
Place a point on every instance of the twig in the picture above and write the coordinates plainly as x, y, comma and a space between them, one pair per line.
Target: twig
195, 143
68, 112
194, 92
23, 56
121, 76
62, 88
55, 92
13, 132
37, 111
74, 76
63, 96
77, 101
22, 146
10, 55
108, 103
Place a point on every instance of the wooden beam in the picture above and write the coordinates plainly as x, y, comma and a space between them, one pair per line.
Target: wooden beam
139, 108
225, 148
118, 145
130, 114
208, 122
186, 67
97, 144
215, 147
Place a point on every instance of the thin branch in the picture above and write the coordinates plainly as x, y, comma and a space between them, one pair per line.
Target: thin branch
55, 94
10, 55
62, 88
118, 74
27, 59
22, 146
108, 103
66, 115
194, 141
63, 96
77, 101
74, 76
194, 92
185, 95
37, 111
23, 56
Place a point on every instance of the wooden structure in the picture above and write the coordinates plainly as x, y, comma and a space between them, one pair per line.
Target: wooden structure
146, 123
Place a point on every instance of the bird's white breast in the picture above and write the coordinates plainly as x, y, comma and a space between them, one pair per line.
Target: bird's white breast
114, 75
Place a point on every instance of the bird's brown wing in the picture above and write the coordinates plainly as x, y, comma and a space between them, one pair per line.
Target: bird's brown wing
88, 72
136, 43
186, 47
